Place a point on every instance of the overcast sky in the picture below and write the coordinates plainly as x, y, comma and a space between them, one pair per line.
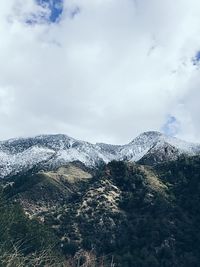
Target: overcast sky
100, 70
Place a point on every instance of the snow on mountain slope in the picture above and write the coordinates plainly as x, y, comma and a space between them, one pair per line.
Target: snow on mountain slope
141, 145
136, 149
17, 155
15, 163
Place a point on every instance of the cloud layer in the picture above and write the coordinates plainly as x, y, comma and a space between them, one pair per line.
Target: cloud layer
107, 70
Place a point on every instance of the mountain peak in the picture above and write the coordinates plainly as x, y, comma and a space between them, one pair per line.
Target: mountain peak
53, 151
147, 137
151, 133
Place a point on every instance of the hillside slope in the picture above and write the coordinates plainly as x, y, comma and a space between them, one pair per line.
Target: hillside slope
142, 215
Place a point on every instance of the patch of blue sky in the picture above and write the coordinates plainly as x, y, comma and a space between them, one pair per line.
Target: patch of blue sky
196, 59
55, 8
52, 12
171, 127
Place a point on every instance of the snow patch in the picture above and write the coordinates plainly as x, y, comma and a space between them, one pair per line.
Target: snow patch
18, 155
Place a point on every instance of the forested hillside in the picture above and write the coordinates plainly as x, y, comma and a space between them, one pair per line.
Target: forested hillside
122, 213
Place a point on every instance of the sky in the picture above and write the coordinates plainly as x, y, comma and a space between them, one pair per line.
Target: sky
100, 71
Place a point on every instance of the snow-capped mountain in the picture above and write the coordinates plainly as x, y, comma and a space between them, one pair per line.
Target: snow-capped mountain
51, 151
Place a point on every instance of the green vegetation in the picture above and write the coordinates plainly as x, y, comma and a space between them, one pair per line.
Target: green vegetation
22, 238
161, 228
138, 216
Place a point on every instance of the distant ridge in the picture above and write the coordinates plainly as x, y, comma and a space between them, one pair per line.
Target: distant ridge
51, 151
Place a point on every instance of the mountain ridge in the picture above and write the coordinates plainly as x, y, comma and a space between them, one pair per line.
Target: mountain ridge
52, 151
139, 213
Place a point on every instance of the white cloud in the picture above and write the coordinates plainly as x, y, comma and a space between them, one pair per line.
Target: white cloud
117, 69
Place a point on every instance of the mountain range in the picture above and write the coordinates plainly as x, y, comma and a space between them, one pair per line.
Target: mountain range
68, 203
52, 151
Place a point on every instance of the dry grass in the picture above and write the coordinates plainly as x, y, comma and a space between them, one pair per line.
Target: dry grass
69, 173
153, 180
15, 258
